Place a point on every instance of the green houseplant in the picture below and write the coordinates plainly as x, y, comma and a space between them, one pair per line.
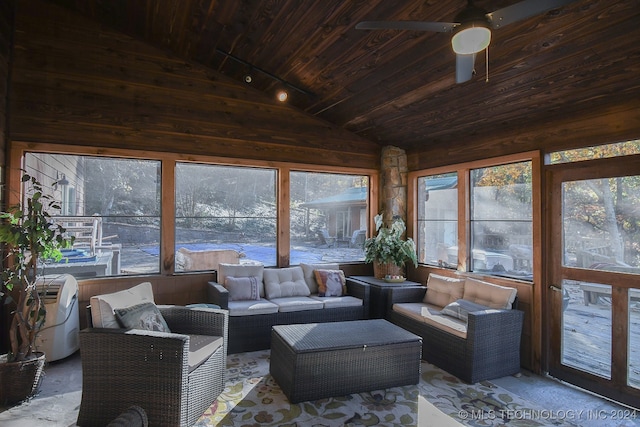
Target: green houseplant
29, 237
388, 251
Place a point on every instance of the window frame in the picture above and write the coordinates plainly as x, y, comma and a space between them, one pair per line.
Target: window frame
168, 162
464, 207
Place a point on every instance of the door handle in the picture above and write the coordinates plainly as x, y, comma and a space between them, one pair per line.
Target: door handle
555, 288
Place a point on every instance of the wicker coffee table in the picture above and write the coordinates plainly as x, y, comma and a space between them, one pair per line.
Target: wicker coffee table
316, 360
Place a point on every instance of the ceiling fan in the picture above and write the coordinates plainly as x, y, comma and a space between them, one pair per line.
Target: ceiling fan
472, 28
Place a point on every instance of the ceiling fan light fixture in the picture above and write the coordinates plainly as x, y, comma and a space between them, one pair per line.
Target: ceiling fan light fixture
472, 37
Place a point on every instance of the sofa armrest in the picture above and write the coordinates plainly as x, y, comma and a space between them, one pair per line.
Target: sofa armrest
495, 329
218, 295
406, 294
196, 321
147, 352
362, 291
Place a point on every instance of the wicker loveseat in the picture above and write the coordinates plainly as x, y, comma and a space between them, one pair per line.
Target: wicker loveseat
173, 372
286, 296
468, 327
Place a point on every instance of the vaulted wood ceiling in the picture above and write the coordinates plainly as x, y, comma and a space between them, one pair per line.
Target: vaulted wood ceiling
398, 87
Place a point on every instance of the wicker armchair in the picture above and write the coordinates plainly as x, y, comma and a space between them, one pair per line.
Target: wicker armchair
149, 369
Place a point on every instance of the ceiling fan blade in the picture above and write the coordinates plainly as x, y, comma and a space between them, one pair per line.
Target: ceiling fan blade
523, 10
439, 27
464, 67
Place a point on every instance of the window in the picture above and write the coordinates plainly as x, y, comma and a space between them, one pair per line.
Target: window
207, 212
328, 217
224, 214
615, 149
499, 210
112, 208
501, 220
437, 237
601, 223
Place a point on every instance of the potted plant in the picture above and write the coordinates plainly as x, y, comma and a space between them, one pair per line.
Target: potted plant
29, 237
388, 251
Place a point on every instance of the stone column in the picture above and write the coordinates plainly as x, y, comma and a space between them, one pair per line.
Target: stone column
393, 184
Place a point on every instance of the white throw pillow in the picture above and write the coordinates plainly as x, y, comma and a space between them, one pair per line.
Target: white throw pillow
103, 306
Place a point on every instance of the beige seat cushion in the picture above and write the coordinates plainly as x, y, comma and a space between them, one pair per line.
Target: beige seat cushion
488, 294
431, 314
103, 306
249, 307
443, 290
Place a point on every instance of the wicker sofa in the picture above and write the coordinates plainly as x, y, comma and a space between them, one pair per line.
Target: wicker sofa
286, 296
468, 327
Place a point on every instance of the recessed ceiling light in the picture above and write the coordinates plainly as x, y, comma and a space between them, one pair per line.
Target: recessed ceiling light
282, 95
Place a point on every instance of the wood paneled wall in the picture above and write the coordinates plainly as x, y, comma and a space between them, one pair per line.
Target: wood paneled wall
6, 35
76, 82
583, 128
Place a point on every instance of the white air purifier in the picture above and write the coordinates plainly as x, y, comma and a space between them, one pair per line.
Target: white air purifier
58, 338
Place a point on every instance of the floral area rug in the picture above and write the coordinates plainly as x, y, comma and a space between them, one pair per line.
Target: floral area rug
253, 398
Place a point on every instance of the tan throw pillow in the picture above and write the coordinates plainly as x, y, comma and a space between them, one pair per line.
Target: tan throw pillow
103, 306
331, 283
443, 290
242, 288
145, 316
488, 294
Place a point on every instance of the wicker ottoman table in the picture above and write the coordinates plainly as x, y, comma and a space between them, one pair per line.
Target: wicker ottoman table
316, 360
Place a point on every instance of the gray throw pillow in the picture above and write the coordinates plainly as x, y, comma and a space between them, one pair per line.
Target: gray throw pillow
461, 308
144, 316
242, 288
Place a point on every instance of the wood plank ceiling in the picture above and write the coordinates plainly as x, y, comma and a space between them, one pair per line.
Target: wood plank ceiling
398, 87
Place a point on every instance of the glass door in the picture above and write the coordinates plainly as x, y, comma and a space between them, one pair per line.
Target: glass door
594, 278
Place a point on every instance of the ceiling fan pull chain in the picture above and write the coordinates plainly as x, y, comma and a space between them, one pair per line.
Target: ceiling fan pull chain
486, 62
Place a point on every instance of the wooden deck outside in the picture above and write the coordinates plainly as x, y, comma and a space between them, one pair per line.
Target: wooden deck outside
587, 335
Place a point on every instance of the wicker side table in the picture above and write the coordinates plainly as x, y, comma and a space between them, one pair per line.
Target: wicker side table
317, 360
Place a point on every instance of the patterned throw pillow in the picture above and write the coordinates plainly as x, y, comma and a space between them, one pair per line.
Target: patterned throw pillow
144, 316
331, 283
242, 288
